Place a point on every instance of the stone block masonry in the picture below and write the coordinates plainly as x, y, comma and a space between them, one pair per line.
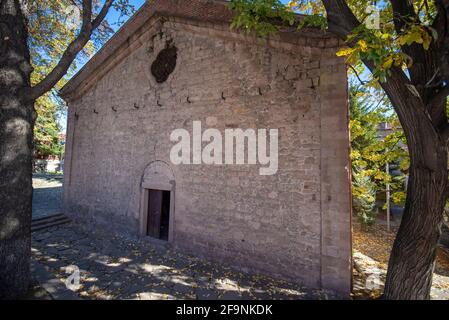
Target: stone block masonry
294, 225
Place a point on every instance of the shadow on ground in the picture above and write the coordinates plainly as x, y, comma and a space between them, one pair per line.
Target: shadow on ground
119, 268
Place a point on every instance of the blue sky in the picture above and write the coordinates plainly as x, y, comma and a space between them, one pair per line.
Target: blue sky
113, 15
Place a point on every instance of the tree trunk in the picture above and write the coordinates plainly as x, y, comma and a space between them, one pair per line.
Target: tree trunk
16, 135
419, 97
412, 259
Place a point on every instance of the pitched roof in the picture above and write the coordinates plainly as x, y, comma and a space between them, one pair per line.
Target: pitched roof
213, 11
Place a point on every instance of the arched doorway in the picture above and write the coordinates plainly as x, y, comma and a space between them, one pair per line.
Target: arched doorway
158, 202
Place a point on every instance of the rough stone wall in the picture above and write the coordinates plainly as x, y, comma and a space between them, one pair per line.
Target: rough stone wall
294, 224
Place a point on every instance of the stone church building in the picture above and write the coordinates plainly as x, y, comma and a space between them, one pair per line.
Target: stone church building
175, 62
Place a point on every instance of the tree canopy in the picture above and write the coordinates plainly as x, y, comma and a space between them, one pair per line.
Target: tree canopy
52, 26
378, 36
376, 140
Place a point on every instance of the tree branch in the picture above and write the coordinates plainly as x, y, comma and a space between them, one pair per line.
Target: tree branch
409, 107
445, 132
441, 24
424, 61
357, 75
87, 28
441, 96
100, 17
403, 14
341, 20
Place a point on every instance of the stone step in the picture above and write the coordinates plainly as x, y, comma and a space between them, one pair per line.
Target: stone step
46, 218
48, 222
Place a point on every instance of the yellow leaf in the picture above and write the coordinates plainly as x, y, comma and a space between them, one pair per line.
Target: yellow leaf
388, 62
345, 52
363, 45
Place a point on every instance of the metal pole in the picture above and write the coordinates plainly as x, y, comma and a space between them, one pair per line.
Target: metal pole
387, 169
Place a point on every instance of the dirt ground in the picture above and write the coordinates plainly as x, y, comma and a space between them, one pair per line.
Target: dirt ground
376, 242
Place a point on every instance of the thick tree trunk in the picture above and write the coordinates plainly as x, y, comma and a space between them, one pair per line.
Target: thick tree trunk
16, 136
419, 97
413, 255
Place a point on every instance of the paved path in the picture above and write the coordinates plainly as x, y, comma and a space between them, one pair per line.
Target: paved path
120, 268
47, 192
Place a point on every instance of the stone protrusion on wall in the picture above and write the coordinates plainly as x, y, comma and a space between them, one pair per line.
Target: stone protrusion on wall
336, 266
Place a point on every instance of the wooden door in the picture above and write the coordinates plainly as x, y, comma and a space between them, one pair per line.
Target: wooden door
154, 213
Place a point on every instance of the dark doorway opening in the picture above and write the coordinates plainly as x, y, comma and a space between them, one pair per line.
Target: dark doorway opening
158, 222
